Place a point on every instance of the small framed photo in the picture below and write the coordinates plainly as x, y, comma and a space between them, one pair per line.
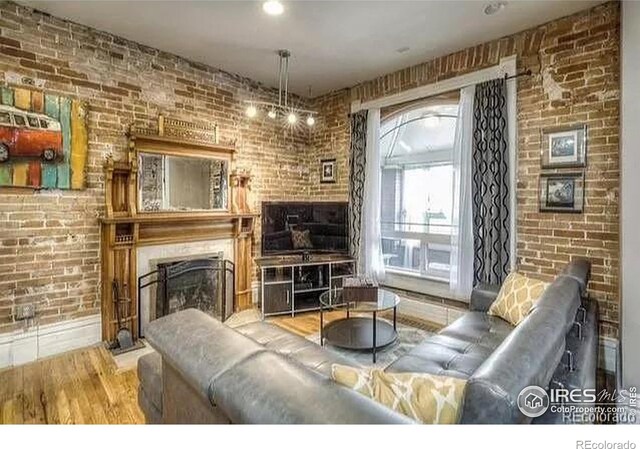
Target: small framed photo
562, 192
564, 147
327, 171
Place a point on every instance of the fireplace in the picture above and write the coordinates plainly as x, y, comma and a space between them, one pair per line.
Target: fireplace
134, 243
203, 283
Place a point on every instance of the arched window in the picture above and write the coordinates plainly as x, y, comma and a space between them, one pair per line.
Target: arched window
417, 188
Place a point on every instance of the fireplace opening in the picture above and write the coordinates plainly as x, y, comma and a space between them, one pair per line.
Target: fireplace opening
204, 283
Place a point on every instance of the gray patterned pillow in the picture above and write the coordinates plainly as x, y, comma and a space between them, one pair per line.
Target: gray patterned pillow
301, 240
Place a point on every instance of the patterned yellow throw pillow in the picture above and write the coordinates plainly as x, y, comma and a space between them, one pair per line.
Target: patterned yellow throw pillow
516, 298
425, 398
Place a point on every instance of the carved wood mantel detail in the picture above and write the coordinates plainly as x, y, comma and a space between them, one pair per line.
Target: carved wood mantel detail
124, 228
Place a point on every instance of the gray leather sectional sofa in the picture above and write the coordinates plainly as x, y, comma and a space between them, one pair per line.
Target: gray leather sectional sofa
206, 372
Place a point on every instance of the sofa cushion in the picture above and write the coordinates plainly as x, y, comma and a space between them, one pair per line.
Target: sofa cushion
516, 297
458, 350
267, 388
478, 327
150, 375
307, 353
425, 398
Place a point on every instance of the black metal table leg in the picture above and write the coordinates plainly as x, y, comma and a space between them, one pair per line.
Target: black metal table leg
394, 319
321, 326
374, 336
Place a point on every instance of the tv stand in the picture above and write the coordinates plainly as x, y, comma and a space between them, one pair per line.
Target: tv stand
289, 285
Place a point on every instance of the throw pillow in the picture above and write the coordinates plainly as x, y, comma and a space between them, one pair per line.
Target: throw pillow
425, 398
516, 298
301, 239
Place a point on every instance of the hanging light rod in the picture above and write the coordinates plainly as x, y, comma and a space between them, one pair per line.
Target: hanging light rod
281, 108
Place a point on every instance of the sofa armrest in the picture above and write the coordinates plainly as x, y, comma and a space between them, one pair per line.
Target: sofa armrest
198, 346
580, 270
482, 297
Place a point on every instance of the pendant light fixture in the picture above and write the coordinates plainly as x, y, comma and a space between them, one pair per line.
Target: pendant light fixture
281, 110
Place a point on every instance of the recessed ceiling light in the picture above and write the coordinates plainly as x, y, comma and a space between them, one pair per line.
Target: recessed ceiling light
273, 7
494, 8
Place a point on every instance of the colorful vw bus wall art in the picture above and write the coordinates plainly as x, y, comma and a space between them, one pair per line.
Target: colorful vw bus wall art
43, 140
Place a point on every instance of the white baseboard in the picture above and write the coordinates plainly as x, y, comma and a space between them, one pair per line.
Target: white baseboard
435, 313
24, 346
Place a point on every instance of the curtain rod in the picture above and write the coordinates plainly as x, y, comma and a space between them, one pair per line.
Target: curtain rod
527, 72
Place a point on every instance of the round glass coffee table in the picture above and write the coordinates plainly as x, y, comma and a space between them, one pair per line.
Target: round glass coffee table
358, 332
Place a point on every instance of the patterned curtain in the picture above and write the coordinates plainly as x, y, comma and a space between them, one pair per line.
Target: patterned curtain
356, 180
490, 184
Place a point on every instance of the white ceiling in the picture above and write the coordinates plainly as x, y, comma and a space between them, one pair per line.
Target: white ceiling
334, 44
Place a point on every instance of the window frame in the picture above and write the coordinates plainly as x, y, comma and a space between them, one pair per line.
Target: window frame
425, 159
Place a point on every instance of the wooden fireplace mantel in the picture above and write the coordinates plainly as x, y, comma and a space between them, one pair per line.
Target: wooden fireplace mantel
124, 229
160, 217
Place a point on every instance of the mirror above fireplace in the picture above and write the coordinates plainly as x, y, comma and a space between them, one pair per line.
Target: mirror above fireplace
182, 183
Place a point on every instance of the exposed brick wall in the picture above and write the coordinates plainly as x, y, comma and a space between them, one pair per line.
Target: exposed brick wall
575, 61
49, 241
330, 139
49, 247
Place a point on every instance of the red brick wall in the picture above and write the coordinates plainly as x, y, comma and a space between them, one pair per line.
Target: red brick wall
575, 62
49, 241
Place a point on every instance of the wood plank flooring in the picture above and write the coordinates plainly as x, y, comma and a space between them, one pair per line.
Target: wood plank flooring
78, 387
305, 323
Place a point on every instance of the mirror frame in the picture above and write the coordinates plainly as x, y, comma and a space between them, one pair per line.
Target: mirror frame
148, 143
141, 152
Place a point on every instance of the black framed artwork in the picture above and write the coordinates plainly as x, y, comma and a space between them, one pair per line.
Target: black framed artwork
562, 192
564, 147
327, 171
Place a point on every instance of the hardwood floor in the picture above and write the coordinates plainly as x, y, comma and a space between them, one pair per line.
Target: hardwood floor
305, 323
78, 387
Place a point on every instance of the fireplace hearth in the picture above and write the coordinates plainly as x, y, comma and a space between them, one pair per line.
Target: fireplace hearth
206, 284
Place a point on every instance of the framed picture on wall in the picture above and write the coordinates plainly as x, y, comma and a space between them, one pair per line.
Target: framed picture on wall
327, 171
564, 147
562, 192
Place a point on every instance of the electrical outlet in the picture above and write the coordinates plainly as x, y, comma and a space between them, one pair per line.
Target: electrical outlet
25, 312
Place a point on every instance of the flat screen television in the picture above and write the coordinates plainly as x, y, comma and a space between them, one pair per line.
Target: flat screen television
296, 227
